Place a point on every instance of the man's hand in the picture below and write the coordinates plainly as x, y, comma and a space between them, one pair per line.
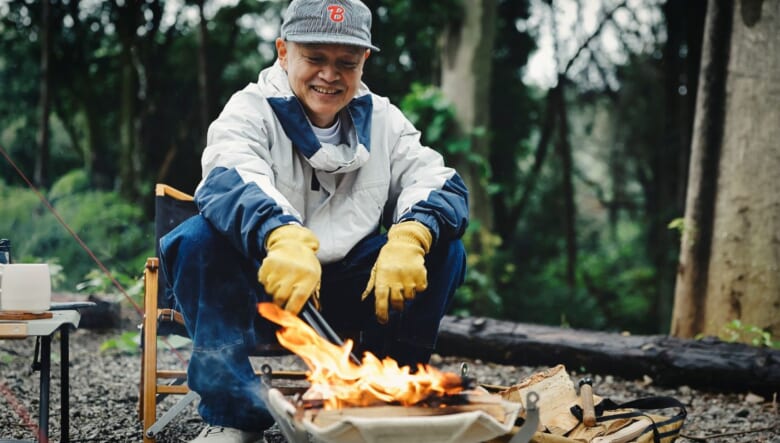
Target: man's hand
399, 272
291, 272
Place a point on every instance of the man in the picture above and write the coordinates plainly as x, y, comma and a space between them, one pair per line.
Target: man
301, 172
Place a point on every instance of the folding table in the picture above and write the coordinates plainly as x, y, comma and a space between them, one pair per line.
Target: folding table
44, 329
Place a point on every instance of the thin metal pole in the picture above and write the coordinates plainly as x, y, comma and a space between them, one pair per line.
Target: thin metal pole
43, 414
64, 385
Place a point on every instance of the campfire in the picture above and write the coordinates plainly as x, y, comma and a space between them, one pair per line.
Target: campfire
339, 382
379, 396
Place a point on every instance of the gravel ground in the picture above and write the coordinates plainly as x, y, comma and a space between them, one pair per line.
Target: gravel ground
104, 395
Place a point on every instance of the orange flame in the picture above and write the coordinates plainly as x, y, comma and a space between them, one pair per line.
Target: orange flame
339, 382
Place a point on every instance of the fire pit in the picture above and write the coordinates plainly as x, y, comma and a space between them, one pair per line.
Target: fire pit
388, 424
378, 401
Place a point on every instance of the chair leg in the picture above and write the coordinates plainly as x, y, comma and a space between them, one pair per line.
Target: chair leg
149, 377
141, 384
170, 414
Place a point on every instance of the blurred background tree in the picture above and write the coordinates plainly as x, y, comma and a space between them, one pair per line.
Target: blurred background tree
575, 173
729, 256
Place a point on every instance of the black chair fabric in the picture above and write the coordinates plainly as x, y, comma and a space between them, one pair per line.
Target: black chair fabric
169, 212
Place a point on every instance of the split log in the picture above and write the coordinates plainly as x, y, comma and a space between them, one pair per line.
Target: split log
708, 364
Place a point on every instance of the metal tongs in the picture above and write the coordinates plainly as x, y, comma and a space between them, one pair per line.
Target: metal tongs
312, 316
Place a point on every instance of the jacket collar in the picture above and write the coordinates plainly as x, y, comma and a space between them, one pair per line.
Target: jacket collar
289, 111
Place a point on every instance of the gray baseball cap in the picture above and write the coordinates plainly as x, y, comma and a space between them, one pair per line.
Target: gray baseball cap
346, 22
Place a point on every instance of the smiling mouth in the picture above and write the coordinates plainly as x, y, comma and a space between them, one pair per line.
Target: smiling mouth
329, 91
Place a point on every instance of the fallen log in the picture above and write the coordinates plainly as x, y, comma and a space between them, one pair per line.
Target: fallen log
708, 364
105, 314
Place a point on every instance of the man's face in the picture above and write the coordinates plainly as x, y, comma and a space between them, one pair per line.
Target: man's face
323, 77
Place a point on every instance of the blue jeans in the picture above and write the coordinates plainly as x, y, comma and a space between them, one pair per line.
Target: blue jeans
216, 289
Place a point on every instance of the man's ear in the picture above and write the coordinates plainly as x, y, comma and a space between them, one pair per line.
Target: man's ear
365, 56
281, 52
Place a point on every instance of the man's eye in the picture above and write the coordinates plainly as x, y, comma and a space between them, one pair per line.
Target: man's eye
348, 65
314, 59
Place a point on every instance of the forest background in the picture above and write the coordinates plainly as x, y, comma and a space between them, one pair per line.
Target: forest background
578, 182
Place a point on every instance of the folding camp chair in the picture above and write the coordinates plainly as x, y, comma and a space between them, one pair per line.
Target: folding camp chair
160, 319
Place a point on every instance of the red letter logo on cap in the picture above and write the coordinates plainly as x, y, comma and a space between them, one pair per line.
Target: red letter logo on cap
336, 13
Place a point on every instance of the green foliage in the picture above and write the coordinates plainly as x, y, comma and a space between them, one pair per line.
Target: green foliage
479, 295
426, 107
542, 296
429, 111
407, 31
621, 284
736, 331
127, 343
97, 282
677, 224
130, 343
614, 287
117, 232
615, 284
18, 93
74, 182
122, 97
173, 342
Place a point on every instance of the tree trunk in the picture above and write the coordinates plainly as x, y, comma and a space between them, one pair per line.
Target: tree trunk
563, 148
98, 159
203, 74
691, 287
738, 278
127, 174
666, 198
744, 277
84, 112
41, 174
511, 220
465, 82
129, 163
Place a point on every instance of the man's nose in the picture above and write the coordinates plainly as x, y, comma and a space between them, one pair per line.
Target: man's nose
329, 73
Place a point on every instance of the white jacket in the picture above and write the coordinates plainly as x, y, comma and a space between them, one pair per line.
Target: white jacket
264, 167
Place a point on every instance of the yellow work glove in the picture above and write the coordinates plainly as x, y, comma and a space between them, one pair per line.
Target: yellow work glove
290, 273
399, 272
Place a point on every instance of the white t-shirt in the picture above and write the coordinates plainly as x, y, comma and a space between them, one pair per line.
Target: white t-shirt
331, 134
